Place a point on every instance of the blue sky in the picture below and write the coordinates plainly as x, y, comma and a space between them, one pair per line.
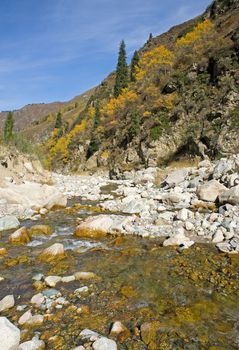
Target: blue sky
52, 50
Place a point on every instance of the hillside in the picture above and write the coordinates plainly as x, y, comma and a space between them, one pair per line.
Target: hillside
183, 102
36, 121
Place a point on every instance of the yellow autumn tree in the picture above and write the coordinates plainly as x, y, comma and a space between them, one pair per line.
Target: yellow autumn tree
200, 31
115, 104
159, 58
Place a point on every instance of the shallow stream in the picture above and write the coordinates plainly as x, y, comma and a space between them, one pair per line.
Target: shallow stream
190, 298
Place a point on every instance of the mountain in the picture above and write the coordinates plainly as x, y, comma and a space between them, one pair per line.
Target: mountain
183, 102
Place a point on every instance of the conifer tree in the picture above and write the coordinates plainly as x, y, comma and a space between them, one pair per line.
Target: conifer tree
121, 80
134, 65
97, 115
150, 37
8, 127
58, 123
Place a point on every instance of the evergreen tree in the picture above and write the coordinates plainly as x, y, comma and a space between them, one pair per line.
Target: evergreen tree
121, 80
97, 115
134, 65
150, 37
8, 127
58, 123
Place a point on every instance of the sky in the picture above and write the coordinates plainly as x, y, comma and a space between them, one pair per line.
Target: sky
53, 50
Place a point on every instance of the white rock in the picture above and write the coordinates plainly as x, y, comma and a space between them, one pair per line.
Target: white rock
68, 279
80, 290
210, 190
36, 320
183, 214
25, 317
51, 281
8, 223
218, 236
7, 303
9, 335
189, 226
38, 299
176, 177
104, 344
34, 344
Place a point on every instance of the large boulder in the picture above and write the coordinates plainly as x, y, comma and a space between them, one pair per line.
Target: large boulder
8, 223
9, 335
34, 196
230, 196
101, 225
210, 191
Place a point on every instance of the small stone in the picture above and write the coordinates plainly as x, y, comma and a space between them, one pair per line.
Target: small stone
3, 251
38, 299
7, 303
189, 226
82, 290
104, 344
20, 236
51, 281
68, 279
34, 344
34, 321
25, 317
85, 276
38, 277
218, 236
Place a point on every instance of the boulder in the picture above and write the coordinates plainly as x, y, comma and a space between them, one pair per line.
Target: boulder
54, 252
20, 236
8, 223
37, 299
9, 335
7, 303
230, 196
99, 226
210, 191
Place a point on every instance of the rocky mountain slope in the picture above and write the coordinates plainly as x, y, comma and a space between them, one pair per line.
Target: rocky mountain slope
183, 102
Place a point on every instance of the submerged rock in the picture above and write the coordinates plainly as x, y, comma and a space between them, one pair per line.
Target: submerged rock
9, 335
40, 230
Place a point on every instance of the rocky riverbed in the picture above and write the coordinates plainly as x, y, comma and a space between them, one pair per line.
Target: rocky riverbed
110, 268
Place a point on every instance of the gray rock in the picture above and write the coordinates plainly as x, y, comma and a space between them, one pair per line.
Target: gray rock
9, 335
230, 196
210, 191
8, 223
176, 177
7, 303
104, 344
